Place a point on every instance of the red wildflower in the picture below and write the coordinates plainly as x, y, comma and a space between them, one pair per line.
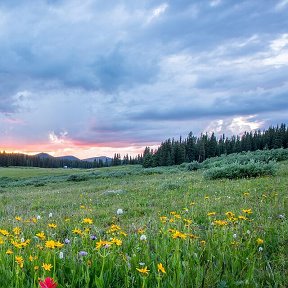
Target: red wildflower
48, 283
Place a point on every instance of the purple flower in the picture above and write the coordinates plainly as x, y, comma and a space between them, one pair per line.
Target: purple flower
66, 241
83, 253
93, 237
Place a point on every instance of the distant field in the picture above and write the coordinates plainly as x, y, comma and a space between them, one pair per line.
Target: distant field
204, 233
25, 172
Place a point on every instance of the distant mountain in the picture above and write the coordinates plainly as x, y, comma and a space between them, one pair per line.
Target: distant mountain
69, 157
43, 155
73, 158
103, 158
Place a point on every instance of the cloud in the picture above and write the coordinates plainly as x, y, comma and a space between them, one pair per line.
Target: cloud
281, 5
129, 73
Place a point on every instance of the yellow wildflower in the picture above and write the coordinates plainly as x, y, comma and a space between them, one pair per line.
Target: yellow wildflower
211, 213
9, 252
143, 271
116, 241
18, 218
160, 268
41, 235
4, 232
103, 243
17, 230
52, 225
87, 221
247, 211
178, 234
220, 222
77, 231
19, 260
47, 267
260, 241
50, 244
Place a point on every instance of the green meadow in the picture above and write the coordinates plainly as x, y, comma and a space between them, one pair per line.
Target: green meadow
174, 228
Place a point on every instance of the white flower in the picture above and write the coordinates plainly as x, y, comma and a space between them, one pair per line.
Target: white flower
248, 232
38, 217
143, 237
50, 215
61, 255
119, 211
141, 263
234, 236
22, 240
260, 249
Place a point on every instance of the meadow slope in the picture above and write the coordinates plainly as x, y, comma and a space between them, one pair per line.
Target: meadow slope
176, 230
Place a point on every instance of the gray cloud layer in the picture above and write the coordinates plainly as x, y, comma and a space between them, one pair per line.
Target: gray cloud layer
139, 71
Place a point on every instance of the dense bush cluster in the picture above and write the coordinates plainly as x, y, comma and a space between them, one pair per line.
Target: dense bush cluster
237, 170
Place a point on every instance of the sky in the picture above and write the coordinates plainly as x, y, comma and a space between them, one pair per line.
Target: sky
91, 78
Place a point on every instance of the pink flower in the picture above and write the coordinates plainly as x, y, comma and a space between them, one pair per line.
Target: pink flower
48, 283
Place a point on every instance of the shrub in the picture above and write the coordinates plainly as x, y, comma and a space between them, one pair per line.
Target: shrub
237, 170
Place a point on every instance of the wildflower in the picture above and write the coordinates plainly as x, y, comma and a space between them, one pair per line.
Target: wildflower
260, 241
119, 211
52, 225
61, 255
48, 283
247, 211
4, 232
206, 197
93, 237
17, 230
41, 235
82, 253
77, 231
19, 260
161, 268
163, 219
38, 217
113, 228
9, 252
202, 242
36, 268
67, 241
143, 271
50, 215
103, 243
18, 218
229, 214
260, 249
248, 232
211, 213
220, 222
143, 237
1, 241
240, 217
178, 234
116, 241
234, 236
46, 267
87, 221
246, 193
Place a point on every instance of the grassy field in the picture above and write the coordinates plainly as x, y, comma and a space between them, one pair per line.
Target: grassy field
177, 229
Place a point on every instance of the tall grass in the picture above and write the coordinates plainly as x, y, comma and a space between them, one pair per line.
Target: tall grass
176, 230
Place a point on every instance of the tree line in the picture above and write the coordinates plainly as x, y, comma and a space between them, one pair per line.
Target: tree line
170, 152
192, 148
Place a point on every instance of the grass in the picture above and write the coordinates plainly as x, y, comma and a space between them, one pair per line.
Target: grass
181, 218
